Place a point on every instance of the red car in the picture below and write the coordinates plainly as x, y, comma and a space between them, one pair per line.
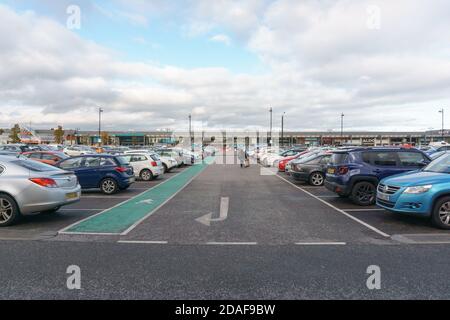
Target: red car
283, 162
48, 157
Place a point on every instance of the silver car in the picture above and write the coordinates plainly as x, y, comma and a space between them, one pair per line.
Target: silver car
28, 187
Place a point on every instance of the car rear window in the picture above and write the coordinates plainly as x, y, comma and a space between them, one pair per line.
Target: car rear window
155, 157
339, 158
123, 160
34, 166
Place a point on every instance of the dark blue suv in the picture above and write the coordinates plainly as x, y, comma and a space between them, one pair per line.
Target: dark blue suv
105, 172
356, 173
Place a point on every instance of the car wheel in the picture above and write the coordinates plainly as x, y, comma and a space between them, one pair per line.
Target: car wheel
109, 186
364, 193
165, 168
146, 175
9, 211
441, 214
316, 179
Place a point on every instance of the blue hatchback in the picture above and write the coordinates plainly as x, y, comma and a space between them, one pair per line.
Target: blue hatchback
355, 173
424, 193
105, 172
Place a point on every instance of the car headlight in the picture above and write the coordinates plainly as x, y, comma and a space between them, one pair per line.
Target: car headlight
418, 189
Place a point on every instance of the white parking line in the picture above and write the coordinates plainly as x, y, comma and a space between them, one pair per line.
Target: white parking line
80, 210
363, 210
142, 242
104, 197
232, 243
337, 209
321, 243
325, 197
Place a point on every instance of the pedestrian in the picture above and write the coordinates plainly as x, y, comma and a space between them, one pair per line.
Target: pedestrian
247, 159
241, 156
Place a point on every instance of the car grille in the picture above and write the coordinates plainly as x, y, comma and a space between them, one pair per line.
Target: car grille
387, 189
387, 204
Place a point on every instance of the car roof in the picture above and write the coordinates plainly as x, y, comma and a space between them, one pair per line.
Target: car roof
359, 149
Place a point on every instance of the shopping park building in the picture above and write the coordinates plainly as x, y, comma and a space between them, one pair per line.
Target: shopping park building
229, 137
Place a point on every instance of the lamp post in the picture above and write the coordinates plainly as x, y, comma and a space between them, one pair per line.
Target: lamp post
442, 111
100, 111
190, 133
270, 131
282, 129
342, 128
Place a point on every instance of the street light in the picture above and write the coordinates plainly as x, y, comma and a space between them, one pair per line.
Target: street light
342, 127
100, 111
442, 132
282, 129
190, 133
270, 134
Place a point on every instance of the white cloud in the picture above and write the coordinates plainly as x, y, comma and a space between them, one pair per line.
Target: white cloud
222, 38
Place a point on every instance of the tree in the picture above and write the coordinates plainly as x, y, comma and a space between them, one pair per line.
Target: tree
14, 134
105, 138
2, 131
59, 135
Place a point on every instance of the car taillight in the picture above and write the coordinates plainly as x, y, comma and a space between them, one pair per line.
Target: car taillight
343, 170
154, 164
121, 169
45, 182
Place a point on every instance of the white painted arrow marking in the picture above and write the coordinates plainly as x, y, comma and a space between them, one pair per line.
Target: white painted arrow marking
224, 205
148, 201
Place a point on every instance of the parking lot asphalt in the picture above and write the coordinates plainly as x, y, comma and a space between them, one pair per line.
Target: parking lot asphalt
228, 233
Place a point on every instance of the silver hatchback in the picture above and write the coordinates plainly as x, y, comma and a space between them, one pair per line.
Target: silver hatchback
28, 187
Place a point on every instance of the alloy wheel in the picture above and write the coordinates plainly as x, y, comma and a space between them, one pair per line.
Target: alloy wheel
365, 193
6, 210
317, 179
444, 213
108, 186
146, 175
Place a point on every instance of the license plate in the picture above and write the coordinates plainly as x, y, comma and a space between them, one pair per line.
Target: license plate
72, 195
384, 197
331, 171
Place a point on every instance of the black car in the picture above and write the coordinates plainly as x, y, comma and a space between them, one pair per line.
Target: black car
311, 169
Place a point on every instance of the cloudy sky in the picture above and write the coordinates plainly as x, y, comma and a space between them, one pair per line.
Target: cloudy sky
385, 64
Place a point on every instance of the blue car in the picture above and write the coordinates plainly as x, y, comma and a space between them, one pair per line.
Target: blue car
105, 172
424, 193
355, 173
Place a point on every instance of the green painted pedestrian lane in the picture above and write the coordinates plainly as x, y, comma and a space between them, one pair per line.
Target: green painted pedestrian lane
120, 218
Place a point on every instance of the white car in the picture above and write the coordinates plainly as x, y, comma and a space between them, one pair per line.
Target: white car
75, 151
146, 166
171, 154
168, 163
187, 156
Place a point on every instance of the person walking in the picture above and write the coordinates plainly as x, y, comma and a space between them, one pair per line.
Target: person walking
241, 156
247, 159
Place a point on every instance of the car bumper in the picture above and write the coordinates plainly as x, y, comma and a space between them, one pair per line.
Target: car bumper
43, 199
407, 204
300, 176
337, 188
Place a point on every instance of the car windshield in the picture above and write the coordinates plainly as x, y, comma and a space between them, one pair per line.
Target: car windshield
440, 165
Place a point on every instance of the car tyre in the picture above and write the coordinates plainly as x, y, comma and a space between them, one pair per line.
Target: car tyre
146, 175
165, 169
317, 179
364, 194
441, 213
109, 186
9, 211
